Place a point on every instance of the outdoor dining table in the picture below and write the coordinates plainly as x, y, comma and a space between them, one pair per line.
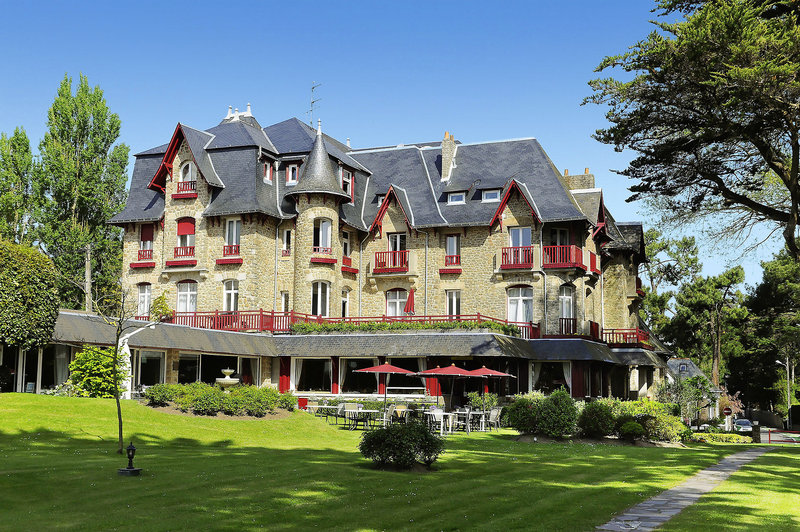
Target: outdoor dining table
354, 417
449, 416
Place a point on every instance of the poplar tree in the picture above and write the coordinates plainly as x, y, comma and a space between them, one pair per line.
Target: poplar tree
19, 193
84, 175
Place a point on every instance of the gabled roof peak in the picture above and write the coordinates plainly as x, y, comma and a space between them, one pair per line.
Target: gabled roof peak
317, 175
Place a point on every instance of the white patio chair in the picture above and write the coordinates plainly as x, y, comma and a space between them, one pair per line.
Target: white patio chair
494, 418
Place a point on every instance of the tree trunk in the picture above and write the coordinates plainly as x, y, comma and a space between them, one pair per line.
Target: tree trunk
717, 340
116, 394
87, 281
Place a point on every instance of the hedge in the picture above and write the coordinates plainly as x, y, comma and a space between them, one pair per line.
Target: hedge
204, 399
309, 328
713, 437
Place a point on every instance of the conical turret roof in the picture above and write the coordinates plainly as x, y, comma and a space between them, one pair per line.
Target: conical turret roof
317, 175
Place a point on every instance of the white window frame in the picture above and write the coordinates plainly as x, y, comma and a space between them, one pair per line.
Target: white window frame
137, 365
322, 233
345, 303
236, 222
452, 244
396, 302
190, 176
187, 296
397, 241
380, 198
145, 244
286, 245
516, 236
566, 301
492, 191
145, 299
453, 298
320, 298
285, 301
268, 172
562, 236
520, 304
453, 198
346, 243
186, 240
346, 176
230, 295
292, 169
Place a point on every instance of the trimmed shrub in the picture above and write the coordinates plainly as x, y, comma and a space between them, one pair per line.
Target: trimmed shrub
401, 445
631, 431
92, 374
287, 401
596, 420
524, 412
705, 437
559, 415
161, 394
658, 419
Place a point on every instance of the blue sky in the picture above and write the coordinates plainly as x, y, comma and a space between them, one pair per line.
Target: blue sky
391, 73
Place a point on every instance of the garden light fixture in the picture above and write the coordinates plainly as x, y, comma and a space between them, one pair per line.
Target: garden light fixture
130, 471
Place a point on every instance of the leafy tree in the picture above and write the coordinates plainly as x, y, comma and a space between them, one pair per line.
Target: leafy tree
710, 106
84, 174
28, 296
686, 393
19, 195
93, 375
708, 315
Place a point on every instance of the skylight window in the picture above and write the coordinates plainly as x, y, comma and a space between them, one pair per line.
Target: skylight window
490, 195
456, 198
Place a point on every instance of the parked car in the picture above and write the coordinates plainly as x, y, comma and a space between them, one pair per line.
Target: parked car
743, 425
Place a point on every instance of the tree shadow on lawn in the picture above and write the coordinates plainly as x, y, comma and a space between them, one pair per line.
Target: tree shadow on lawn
50, 476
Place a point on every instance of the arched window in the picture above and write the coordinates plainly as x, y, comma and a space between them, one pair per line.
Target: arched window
320, 296
230, 295
322, 236
187, 296
143, 307
187, 172
520, 303
396, 300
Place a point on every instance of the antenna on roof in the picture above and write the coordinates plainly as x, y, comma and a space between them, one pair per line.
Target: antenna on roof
310, 111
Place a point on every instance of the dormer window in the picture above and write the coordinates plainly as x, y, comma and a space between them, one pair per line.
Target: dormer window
490, 195
187, 173
347, 182
683, 368
292, 172
380, 198
456, 198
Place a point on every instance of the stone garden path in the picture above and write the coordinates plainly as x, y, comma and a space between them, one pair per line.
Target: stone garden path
656, 511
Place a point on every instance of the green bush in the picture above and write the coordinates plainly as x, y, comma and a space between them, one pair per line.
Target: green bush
476, 402
596, 420
308, 328
524, 412
631, 431
401, 445
91, 373
161, 394
559, 415
705, 437
287, 401
658, 419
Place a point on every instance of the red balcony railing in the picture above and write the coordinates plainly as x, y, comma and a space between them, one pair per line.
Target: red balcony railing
145, 254
184, 251
594, 263
391, 261
452, 260
286, 252
567, 326
186, 186
347, 261
230, 249
320, 249
517, 257
625, 336
562, 257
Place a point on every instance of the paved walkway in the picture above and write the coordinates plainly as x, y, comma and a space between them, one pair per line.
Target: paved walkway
654, 512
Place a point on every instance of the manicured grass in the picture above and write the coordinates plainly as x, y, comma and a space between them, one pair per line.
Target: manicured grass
58, 470
763, 495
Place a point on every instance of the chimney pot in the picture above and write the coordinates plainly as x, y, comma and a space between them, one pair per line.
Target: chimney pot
348, 142
448, 155
586, 171
447, 134
566, 172
230, 112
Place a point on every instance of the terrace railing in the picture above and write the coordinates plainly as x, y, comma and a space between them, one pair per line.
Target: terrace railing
516, 257
567, 326
145, 254
625, 336
391, 261
186, 186
184, 251
562, 257
452, 260
230, 249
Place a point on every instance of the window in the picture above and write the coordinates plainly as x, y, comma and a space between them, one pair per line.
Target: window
345, 303
187, 296
267, 171
683, 368
519, 237
396, 300
320, 291
287, 242
397, 241
233, 231
291, 174
186, 233
322, 236
347, 182
453, 245
284, 301
456, 198
453, 302
146, 237
566, 301
491, 195
143, 308
559, 237
520, 304
345, 243
380, 198
230, 295
187, 173
149, 368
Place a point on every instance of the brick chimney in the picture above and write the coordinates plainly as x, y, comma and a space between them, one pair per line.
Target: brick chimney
578, 181
448, 155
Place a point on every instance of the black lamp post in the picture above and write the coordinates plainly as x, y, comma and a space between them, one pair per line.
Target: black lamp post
130, 471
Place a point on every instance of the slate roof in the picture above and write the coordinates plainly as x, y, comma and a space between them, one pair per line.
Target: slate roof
638, 357
692, 370
589, 202
144, 204
547, 349
317, 174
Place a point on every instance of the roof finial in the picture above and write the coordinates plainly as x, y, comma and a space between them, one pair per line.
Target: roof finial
319, 127
230, 112
248, 113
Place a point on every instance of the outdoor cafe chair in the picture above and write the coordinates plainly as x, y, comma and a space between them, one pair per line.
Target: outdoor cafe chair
337, 414
386, 419
462, 418
494, 418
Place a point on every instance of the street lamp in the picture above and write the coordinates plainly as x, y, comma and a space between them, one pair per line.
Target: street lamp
788, 393
122, 347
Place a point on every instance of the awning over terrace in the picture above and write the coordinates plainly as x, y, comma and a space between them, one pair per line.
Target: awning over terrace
78, 328
572, 349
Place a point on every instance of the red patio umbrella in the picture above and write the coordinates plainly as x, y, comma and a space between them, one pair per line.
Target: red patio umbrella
448, 371
385, 369
409, 308
485, 373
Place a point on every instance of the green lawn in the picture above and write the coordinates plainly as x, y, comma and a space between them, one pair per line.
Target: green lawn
764, 494
58, 470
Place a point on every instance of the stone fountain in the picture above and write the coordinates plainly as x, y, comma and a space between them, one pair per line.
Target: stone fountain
227, 381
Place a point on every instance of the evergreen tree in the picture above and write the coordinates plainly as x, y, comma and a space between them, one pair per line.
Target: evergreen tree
84, 173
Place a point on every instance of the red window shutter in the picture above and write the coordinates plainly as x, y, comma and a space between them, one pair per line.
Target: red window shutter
186, 226
147, 233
